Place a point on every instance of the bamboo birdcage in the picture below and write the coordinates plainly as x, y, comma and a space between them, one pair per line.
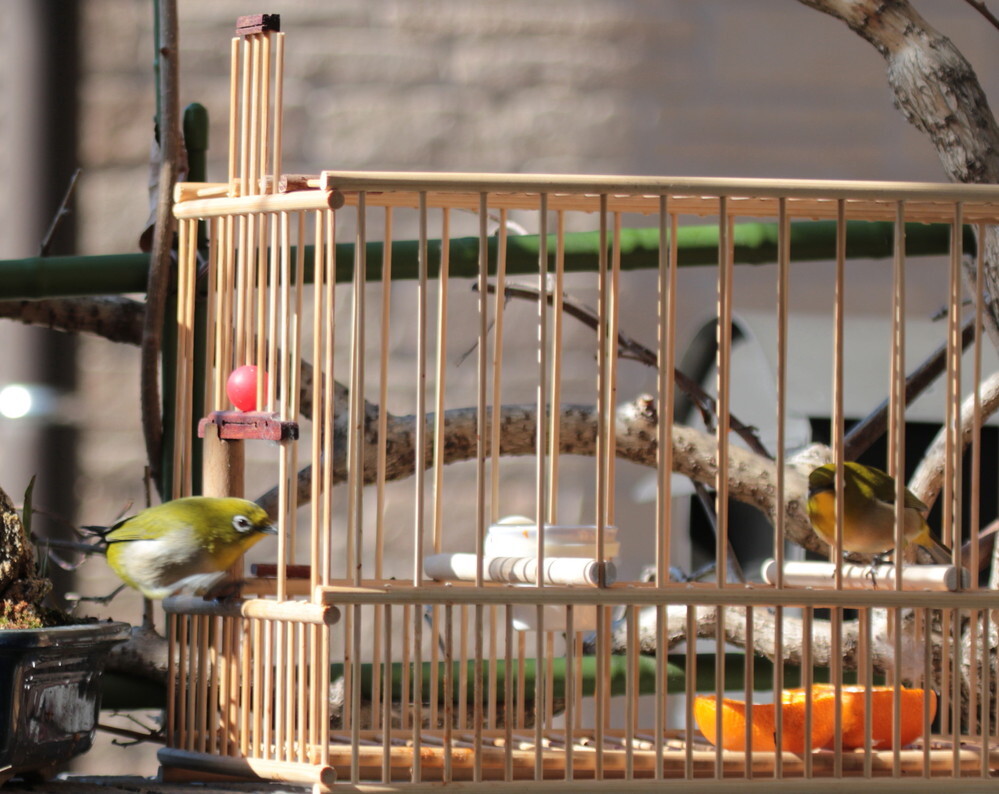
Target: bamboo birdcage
331, 673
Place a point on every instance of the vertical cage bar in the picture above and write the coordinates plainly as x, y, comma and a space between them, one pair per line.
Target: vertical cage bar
382, 460
956, 663
270, 289
807, 681
270, 697
234, 106
292, 405
481, 423
320, 311
838, 429
304, 633
748, 689
662, 690
204, 671
509, 699
613, 320
264, 102
690, 678
896, 406
540, 487
290, 723
277, 141
440, 381
604, 417
462, 664
976, 453
783, 279
631, 691
258, 685
355, 443
724, 360
976, 448
387, 701
438, 445
778, 686
329, 386
554, 420
448, 688
407, 644
866, 679
571, 685
356, 451
719, 688
603, 380
495, 427
235, 641
953, 443
244, 119
491, 708
986, 697
421, 396
218, 662
253, 107
420, 467
481, 482
211, 318
666, 358
174, 664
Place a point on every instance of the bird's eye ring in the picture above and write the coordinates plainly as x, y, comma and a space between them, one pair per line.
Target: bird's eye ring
242, 524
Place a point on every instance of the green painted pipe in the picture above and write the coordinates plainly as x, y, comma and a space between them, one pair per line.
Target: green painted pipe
734, 676
755, 244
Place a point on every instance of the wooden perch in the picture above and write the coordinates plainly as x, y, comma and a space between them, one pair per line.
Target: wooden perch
519, 570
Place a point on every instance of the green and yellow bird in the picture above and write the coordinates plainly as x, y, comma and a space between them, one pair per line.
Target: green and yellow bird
184, 544
869, 515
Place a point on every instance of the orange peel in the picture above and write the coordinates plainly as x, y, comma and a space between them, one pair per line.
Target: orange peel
793, 708
882, 733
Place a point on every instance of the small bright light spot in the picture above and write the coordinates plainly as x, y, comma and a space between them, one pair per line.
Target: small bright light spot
15, 401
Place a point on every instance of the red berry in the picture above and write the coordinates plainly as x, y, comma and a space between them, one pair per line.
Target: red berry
242, 387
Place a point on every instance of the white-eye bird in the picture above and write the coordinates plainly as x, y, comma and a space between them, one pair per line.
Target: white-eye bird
869, 514
184, 544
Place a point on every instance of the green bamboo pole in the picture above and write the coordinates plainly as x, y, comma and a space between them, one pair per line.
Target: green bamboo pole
755, 244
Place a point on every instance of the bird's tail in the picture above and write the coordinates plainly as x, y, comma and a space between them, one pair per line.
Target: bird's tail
941, 554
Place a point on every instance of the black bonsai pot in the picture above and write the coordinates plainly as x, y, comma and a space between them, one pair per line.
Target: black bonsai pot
50, 694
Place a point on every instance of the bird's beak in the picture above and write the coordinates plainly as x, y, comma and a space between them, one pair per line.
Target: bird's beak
270, 529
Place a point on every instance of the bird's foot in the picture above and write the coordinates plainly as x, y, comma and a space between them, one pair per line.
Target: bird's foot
872, 572
102, 600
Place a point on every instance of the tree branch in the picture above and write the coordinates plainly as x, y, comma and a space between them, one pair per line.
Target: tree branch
734, 628
162, 250
980, 7
114, 318
928, 478
752, 478
936, 90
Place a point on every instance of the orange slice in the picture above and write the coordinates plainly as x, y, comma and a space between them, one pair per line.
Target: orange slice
733, 716
881, 715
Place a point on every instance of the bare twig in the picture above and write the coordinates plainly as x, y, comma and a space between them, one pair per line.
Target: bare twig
867, 431
61, 212
979, 6
635, 351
